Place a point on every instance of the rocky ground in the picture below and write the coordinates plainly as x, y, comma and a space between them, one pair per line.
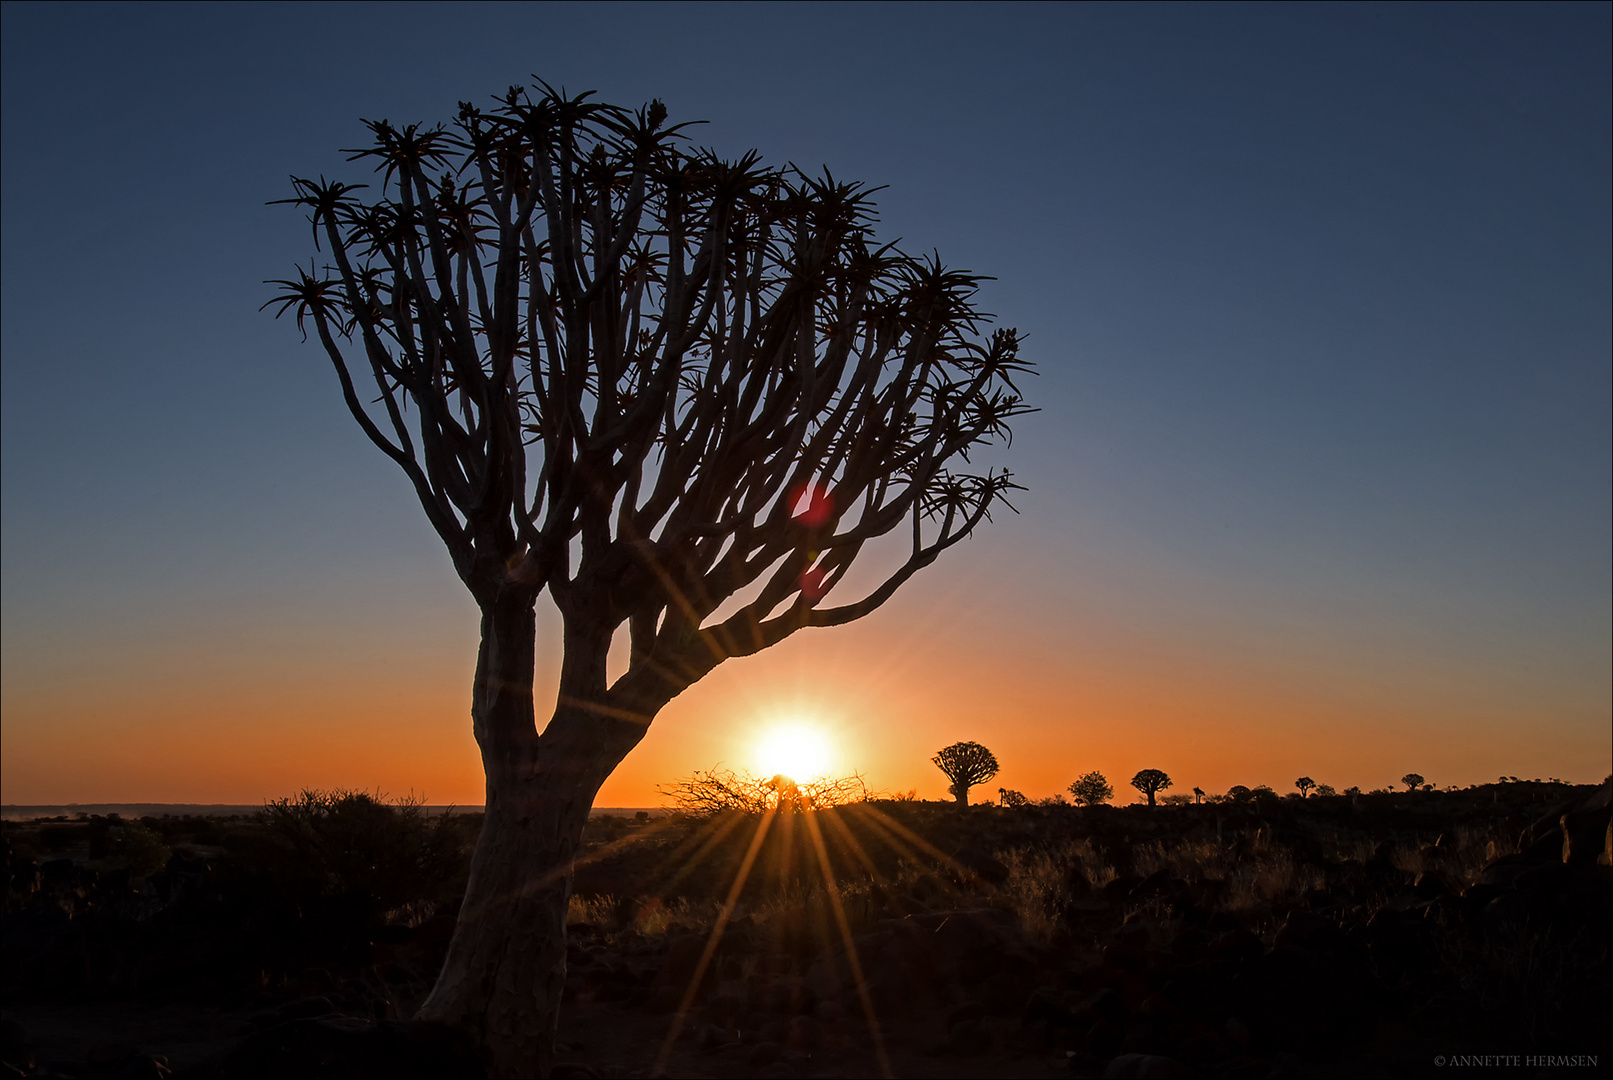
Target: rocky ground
1381, 935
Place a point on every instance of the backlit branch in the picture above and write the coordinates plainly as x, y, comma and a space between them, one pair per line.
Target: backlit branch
651, 379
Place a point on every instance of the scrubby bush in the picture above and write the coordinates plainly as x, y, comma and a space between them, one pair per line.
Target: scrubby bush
719, 791
1093, 789
356, 851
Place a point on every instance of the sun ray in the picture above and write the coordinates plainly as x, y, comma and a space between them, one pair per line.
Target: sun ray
856, 846
712, 942
882, 820
712, 833
833, 891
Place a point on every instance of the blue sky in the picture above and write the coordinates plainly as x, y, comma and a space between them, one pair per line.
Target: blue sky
1319, 295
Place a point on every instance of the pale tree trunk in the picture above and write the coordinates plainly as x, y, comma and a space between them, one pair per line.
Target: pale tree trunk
506, 965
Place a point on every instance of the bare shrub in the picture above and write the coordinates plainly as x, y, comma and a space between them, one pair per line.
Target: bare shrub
719, 791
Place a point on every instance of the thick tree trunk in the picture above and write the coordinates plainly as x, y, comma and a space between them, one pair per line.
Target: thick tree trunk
506, 964
961, 793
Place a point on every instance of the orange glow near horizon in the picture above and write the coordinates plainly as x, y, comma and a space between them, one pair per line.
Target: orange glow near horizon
1052, 695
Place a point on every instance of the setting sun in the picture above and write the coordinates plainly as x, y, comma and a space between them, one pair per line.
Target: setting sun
798, 751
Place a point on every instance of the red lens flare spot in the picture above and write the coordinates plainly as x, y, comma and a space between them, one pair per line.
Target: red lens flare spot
814, 583
812, 505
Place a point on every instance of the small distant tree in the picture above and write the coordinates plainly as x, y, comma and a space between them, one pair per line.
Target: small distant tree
966, 764
1305, 784
1176, 800
1353, 790
1262, 792
1150, 782
1412, 780
1092, 789
1325, 791
1238, 793
1011, 798
1198, 794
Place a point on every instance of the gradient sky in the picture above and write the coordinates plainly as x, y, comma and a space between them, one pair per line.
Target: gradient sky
1319, 295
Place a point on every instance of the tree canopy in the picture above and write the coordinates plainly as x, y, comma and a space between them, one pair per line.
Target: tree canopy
966, 764
1092, 789
647, 377
1150, 782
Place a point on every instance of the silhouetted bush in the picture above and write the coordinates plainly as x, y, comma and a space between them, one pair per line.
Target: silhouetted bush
354, 851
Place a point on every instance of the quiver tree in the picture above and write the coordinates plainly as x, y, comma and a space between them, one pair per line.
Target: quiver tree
646, 380
1412, 780
1151, 782
1305, 784
966, 764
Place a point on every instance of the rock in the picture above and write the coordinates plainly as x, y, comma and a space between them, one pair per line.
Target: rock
1045, 1010
1104, 1039
1133, 935
1120, 887
803, 1033
968, 1039
1146, 1067
984, 867
348, 1048
1310, 931
1501, 872
143, 1067
1003, 993
824, 980
1585, 833
1237, 945
730, 1001
1190, 943
1104, 1004
829, 1012
764, 1054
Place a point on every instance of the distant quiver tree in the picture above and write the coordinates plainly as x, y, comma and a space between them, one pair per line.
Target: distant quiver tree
1093, 789
1150, 782
1304, 784
642, 379
966, 764
1412, 780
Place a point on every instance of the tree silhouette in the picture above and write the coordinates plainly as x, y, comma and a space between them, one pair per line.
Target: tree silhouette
1150, 782
1304, 784
1198, 795
1239, 793
1011, 798
644, 380
1093, 789
1412, 781
965, 764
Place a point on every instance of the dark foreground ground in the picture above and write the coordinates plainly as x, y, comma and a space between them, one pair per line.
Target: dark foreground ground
1416, 934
